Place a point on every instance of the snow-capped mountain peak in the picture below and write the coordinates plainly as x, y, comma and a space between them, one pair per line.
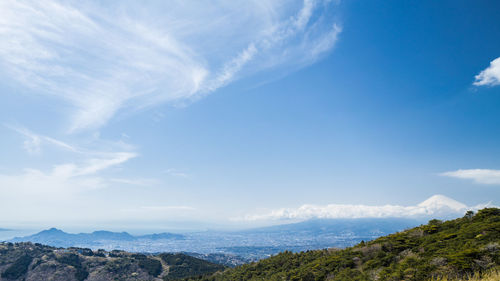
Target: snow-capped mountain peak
440, 201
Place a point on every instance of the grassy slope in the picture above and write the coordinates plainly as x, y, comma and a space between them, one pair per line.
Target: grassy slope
455, 248
492, 275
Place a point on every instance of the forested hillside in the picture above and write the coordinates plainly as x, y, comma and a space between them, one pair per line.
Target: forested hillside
438, 249
36, 262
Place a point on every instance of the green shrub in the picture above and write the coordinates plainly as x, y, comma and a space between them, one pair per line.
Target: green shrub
152, 266
74, 260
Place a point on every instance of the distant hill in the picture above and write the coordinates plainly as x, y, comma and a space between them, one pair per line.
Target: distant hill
35, 262
452, 248
58, 238
364, 227
235, 247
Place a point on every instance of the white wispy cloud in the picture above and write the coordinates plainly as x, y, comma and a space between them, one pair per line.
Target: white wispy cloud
177, 173
482, 176
103, 58
74, 175
167, 208
436, 206
56, 191
34, 142
66, 177
490, 76
134, 181
158, 212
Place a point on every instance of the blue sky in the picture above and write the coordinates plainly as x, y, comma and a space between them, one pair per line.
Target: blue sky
263, 112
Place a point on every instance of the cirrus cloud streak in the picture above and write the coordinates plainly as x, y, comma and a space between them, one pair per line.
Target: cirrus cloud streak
481, 176
105, 58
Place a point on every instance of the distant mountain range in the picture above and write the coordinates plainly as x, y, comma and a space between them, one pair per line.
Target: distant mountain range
59, 238
366, 227
236, 246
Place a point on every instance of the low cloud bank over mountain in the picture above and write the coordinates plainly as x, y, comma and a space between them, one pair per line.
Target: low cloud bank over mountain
438, 206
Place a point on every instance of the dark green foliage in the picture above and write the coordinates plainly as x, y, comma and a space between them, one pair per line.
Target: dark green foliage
119, 266
70, 259
469, 214
18, 268
74, 260
182, 266
117, 254
86, 252
152, 266
455, 248
100, 253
